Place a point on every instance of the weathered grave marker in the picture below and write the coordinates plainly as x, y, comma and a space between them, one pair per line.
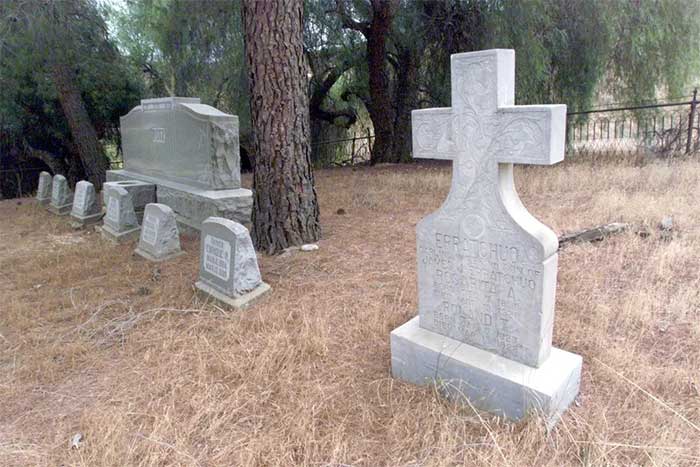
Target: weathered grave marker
142, 193
120, 224
61, 196
160, 238
190, 151
86, 207
228, 268
43, 191
486, 267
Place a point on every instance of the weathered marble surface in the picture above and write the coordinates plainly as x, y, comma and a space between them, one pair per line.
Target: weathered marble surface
142, 193
120, 223
61, 196
182, 140
228, 268
190, 152
86, 206
193, 206
160, 238
486, 267
43, 191
505, 387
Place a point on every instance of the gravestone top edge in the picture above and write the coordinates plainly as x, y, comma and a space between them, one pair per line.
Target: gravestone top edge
175, 100
228, 223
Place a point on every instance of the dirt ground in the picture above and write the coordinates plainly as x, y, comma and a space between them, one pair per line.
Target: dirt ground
95, 340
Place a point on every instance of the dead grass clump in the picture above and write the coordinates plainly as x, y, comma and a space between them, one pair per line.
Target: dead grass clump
98, 341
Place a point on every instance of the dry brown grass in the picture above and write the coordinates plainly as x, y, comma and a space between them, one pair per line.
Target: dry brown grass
95, 340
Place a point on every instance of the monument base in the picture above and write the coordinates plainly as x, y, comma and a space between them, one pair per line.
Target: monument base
79, 222
488, 381
120, 237
60, 210
146, 255
194, 205
238, 303
43, 201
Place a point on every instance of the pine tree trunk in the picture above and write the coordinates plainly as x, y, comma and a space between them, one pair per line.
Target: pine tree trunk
92, 156
406, 93
381, 106
285, 210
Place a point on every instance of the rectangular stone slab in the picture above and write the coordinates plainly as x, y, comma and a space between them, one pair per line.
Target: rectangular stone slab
194, 205
487, 381
181, 140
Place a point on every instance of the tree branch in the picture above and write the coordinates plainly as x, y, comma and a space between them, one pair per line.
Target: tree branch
348, 21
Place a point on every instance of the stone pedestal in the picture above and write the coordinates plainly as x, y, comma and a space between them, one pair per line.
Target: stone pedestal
470, 375
193, 205
119, 237
240, 302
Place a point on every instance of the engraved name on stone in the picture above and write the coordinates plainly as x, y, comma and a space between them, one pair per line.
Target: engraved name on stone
113, 209
150, 229
217, 254
80, 198
56, 191
158, 135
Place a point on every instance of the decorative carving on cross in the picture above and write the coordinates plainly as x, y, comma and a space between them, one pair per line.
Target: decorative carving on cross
487, 267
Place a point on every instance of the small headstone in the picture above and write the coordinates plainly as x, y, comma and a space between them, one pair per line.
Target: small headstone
487, 269
160, 238
86, 208
142, 193
61, 196
120, 224
43, 191
228, 268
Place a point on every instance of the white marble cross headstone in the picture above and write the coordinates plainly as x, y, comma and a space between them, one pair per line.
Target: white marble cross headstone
486, 267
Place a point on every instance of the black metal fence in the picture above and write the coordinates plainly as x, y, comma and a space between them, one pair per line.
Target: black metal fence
656, 130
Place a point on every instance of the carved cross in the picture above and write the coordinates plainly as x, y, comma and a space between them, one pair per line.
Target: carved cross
486, 266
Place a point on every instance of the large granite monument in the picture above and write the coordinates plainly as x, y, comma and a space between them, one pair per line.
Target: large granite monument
61, 196
86, 206
487, 269
43, 191
228, 268
160, 238
190, 151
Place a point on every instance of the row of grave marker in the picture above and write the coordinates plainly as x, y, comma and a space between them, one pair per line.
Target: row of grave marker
229, 269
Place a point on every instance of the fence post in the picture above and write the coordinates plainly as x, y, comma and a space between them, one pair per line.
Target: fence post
369, 143
691, 119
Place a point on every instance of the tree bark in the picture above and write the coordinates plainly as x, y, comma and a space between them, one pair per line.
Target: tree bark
405, 97
92, 156
381, 108
285, 210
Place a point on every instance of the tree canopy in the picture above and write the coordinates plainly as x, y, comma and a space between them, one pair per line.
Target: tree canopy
370, 62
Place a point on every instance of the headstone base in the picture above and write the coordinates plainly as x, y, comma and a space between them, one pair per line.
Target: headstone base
120, 237
79, 222
60, 210
490, 382
192, 205
150, 257
43, 201
238, 303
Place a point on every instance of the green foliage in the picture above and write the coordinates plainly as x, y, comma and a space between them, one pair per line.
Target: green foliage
70, 32
187, 49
